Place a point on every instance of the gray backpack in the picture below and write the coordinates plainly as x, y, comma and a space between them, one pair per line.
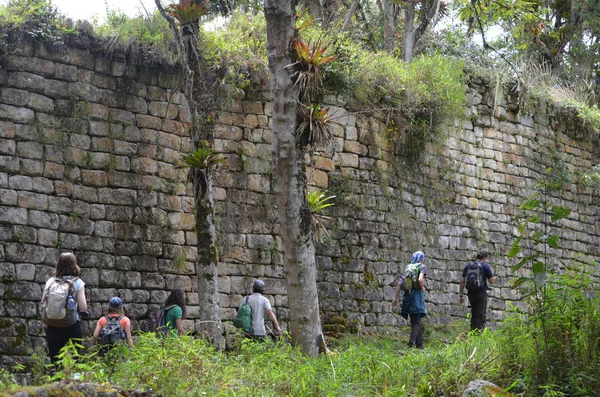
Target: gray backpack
59, 308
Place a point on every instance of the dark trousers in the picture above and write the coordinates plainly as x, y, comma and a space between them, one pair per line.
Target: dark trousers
478, 301
57, 338
416, 330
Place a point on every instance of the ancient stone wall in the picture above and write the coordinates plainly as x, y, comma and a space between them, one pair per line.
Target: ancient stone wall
89, 148
89, 155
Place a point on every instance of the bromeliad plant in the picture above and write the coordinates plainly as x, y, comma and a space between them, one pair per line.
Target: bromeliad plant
317, 202
202, 158
311, 56
188, 12
315, 123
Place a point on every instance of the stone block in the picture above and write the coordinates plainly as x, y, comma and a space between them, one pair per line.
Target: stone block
182, 221
24, 253
121, 116
163, 110
175, 127
147, 121
317, 178
32, 150
17, 114
72, 224
144, 263
7, 129
94, 178
15, 97
116, 196
32, 200
144, 165
259, 183
8, 146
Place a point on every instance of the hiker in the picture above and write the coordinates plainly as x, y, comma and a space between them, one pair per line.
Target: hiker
261, 307
176, 313
115, 312
413, 299
475, 278
62, 302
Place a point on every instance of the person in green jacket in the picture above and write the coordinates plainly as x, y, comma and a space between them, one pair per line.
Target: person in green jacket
178, 311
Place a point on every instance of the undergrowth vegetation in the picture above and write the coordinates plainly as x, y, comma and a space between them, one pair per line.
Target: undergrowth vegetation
365, 365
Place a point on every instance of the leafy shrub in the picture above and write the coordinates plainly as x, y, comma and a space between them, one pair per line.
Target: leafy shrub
36, 19
566, 361
142, 38
239, 48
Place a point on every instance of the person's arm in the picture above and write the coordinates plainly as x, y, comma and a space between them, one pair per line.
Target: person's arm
97, 331
461, 288
396, 293
271, 316
128, 334
422, 280
81, 301
179, 325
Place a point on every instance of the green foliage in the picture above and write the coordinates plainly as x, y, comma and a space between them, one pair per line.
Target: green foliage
240, 49
144, 38
202, 157
187, 12
556, 350
318, 201
37, 19
311, 58
592, 177
315, 123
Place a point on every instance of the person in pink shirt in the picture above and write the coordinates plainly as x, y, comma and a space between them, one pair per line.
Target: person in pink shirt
115, 310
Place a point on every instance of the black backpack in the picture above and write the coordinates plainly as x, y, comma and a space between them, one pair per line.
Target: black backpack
474, 279
159, 324
112, 333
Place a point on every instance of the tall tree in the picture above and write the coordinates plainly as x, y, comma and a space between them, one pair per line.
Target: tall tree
388, 26
290, 181
423, 11
199, 88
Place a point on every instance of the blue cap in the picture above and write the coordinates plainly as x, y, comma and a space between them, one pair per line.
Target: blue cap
259, 285
115, 301
417, 257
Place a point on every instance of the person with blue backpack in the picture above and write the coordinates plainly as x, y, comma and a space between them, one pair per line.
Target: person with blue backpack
413, 298
475, 277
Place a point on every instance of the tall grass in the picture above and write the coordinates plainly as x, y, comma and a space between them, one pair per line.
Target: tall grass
368, 365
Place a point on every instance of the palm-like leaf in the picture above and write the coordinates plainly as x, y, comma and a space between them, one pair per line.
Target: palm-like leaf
310, 58
204, 158
315, 122
317, 202
187, 12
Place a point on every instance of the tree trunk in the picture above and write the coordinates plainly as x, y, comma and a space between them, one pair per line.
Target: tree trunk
290, 183
409, 31
350, 14
206, 264
198, 89
388, 26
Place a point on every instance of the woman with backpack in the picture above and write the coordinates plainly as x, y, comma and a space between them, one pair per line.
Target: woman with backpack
413, 299
175, 311
115, 326
62, 301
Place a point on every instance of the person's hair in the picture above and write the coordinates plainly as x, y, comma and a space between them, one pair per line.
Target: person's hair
115, 310
66, 265
177, 297
482, 254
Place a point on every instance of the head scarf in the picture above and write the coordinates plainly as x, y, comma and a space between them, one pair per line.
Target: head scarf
417, 257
